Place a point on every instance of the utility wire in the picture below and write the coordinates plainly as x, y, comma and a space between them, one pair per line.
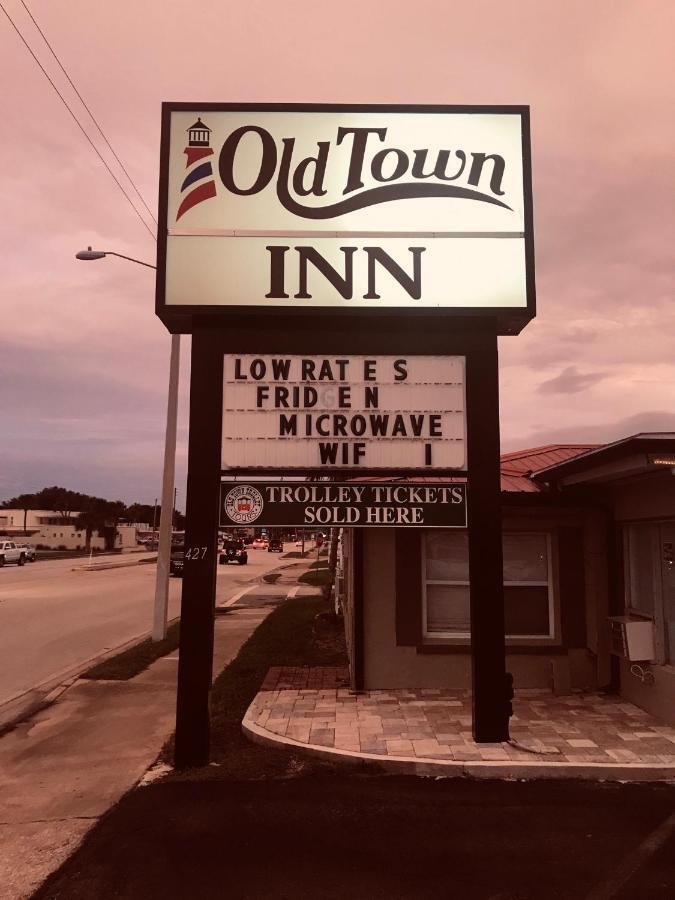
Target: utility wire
77, 121
91, 115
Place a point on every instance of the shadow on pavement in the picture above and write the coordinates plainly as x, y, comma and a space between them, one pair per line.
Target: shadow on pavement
361, 836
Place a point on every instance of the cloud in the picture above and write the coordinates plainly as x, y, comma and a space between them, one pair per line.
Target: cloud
84, 361
570, 381
597, 432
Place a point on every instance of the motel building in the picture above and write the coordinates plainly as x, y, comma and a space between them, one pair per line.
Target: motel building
589, 581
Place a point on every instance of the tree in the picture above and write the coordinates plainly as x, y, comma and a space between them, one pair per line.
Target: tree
100, 516
143, 512
24, 502
60, 500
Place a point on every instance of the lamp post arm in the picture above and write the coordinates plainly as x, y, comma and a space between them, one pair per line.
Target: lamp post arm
130, 258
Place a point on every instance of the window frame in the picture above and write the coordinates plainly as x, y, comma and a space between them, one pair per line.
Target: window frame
464, 637
657, 615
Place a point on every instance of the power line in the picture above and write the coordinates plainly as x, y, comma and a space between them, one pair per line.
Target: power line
91, 115
77, 121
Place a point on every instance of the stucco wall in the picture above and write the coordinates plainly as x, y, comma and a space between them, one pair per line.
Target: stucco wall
658, 698
387, 665
126, 536
56, 536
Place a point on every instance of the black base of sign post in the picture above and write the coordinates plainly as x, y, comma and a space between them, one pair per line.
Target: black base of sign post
195, 663
490, 702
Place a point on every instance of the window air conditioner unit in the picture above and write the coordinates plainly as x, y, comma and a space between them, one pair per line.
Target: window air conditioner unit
632, 638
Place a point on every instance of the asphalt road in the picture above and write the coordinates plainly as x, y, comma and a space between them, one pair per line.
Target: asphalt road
56, 615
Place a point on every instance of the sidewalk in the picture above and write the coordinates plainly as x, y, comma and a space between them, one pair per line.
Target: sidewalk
64, 768
428, 732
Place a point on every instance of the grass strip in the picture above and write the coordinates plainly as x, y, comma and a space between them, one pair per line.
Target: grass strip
315, 577
134, 660
287, 637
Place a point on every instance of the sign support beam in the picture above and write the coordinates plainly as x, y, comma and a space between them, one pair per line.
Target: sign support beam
488, 652
195, 662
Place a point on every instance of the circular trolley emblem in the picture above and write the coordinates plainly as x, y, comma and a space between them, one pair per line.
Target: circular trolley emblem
243, 504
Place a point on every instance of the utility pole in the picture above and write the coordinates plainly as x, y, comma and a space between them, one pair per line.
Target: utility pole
165, 517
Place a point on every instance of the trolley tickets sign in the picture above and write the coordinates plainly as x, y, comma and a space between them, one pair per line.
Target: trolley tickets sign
288, 504
343, 412
345, 208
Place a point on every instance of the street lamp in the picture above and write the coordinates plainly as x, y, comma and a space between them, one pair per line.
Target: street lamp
99, 254
168, 478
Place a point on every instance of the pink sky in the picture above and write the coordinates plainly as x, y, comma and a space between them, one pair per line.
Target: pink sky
83, 359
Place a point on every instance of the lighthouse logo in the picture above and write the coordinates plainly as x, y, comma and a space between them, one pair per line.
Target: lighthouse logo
199, 183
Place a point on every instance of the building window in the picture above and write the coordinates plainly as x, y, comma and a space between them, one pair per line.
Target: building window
642, 567
528, 595
446, 584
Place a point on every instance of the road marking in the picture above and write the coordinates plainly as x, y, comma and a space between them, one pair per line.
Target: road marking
238, 595
634, 861
293, 592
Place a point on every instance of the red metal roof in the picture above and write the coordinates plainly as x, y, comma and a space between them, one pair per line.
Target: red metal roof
516, 467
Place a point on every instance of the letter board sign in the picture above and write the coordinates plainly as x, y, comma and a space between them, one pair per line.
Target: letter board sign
299, 504
345, 209
343, 412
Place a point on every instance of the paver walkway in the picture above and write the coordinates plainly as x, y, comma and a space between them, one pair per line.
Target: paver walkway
581, 735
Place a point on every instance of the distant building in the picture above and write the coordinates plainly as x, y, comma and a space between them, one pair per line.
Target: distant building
49, 529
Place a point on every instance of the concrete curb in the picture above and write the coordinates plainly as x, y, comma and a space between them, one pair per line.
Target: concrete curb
100, 567
509, 771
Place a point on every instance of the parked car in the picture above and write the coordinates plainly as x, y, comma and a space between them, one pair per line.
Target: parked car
177, 563
29, 550
233, 551
275, 546
10, 553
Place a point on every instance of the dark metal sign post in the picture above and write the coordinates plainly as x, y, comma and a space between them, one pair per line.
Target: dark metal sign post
488, 652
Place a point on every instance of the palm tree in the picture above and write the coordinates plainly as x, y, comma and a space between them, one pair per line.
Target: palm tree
100, 516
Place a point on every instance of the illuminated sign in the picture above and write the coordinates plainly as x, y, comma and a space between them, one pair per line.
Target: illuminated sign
343, 412
352, 209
